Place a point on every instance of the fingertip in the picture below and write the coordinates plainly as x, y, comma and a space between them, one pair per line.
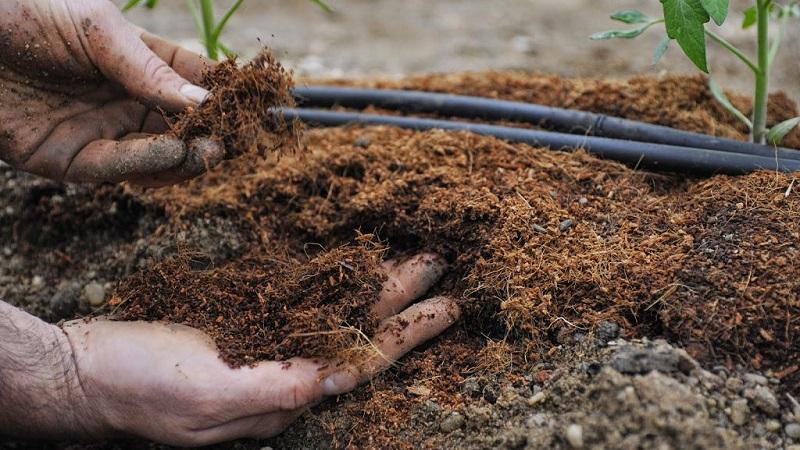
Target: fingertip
339, 383
407, 281
194, 94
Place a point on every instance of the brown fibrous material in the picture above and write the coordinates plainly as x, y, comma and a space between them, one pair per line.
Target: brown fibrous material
241, 111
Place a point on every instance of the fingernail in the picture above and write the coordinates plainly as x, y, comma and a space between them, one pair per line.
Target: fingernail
194, 93
338, 383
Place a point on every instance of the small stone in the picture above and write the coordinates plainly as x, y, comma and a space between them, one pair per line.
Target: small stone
764, 400
362, 142
565, 225
583, 200
453, 422
37, 281
539, 229
95, 293
754, 378
607, 331
739, 412
772, 426
574, 435
537, 398
792, 430
734, 384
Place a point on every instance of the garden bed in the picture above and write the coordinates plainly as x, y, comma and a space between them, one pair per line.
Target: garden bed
552, 255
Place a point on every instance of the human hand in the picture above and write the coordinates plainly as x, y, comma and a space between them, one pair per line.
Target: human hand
80, 92
168, 384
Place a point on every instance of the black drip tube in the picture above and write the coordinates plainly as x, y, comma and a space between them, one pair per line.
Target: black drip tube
560, 119
638, 154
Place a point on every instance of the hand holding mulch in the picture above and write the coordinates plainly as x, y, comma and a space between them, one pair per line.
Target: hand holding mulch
167, 381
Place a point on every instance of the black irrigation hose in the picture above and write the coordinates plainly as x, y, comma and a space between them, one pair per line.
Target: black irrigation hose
565, 120
638, 154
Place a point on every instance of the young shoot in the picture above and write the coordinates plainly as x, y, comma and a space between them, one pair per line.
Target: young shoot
209, 26
689, 22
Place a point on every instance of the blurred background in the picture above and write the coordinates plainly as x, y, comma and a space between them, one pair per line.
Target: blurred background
390, 37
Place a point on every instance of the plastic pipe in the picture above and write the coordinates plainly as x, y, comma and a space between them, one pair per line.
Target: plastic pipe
638, 154
565, 120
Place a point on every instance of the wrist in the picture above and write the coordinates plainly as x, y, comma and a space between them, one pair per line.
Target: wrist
40, 392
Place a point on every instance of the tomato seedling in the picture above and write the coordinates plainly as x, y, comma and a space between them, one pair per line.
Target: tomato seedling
688, 23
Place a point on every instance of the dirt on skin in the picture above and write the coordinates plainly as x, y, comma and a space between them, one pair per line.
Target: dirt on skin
547, 249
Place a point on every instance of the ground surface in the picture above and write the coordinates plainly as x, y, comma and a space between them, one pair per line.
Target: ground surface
569, 269
419, 36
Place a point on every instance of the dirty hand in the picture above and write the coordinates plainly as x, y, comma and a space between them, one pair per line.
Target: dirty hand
167, 383
80, 93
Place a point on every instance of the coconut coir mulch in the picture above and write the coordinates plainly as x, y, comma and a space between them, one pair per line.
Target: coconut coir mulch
541, 243
240, 111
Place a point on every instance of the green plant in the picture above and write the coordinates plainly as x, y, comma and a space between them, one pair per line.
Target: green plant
688, 23
208, 26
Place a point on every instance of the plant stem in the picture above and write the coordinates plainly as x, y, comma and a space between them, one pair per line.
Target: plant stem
762, 76
207, 15
730, 47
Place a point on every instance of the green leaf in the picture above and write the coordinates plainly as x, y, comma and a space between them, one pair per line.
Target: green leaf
686, 21
624, 34
131, 4
324, 5
631, 16
151, 3
662, 48
723, 100
750, 17
779, 131
717, 9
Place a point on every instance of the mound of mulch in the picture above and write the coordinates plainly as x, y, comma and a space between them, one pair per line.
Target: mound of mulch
241, 110
541, 243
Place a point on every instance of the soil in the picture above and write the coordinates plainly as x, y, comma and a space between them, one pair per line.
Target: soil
566, 267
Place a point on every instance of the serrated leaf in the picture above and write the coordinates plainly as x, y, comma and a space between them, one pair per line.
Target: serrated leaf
750, 17
723, 100
779, 131
631, 16
685, 21
661, 49
717, 9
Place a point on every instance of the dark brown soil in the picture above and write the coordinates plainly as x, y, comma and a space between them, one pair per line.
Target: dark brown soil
241, 109
545, 248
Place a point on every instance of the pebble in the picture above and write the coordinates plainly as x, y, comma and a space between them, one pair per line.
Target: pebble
537, 398
539, 229
583, 200
37, 281
574, 435
739, 412
754, 378
607, 331
772, 426
764, 400
362, 142
95, 293
453, 422
734, 384
565, 225
792, 430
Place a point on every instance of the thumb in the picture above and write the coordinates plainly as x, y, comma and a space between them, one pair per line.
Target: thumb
120, 54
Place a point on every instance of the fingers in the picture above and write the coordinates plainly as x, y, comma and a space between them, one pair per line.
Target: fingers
187, 64
153, 160
407, 281
255, 427
121, 55
396, 337
202, 154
